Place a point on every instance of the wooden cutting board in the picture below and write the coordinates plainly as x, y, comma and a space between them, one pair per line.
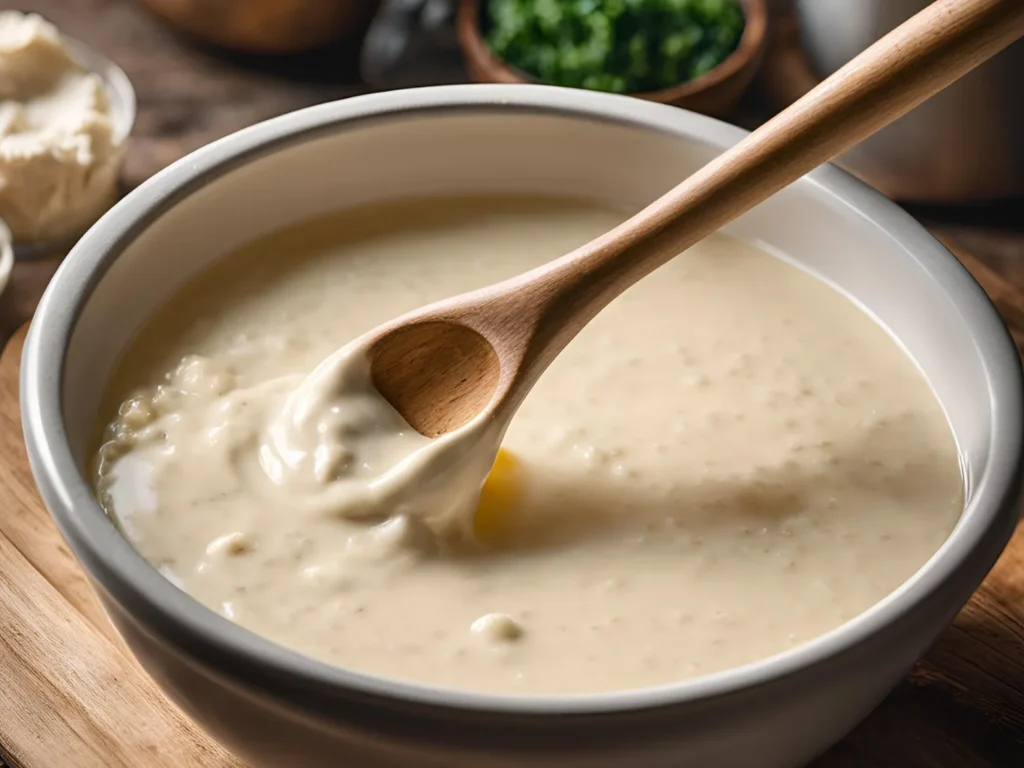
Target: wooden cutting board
71, 696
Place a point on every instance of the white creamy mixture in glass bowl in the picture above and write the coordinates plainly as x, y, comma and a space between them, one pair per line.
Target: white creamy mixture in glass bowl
730, 460
64, 116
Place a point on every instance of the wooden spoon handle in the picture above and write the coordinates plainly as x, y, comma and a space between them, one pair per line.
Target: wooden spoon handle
915, 61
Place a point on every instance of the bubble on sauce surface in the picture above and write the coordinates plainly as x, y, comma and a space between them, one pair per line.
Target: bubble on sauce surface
166, 399
231, 544
497, 627
137, 412
198, 375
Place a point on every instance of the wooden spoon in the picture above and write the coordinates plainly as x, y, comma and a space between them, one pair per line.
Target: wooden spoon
481, 352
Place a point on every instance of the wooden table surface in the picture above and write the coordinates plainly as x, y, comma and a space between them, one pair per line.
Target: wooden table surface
962, 706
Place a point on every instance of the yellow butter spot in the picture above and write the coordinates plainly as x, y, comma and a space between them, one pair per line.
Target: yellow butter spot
497, 498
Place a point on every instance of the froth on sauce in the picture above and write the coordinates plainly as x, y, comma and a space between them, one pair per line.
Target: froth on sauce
731, 459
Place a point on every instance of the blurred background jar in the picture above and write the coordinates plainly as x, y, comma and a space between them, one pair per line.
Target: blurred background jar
267, 26
964, 145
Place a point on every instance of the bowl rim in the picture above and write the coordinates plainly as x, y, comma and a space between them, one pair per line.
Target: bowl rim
166, 611
747, 53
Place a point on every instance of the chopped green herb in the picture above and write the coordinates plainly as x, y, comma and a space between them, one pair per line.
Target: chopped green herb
622, 46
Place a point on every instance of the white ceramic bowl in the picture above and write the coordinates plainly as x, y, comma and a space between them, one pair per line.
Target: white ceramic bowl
276, 707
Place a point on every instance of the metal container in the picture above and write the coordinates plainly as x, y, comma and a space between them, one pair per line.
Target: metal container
963, 145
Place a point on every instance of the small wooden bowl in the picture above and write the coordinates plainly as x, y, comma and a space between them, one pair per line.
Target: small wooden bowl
715, 93
267, 26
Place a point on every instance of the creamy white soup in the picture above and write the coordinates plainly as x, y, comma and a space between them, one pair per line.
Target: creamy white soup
730, 460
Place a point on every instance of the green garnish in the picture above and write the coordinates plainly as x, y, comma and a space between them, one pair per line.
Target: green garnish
622, 46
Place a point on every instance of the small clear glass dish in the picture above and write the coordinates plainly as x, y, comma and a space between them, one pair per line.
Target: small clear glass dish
122, 107
6, 256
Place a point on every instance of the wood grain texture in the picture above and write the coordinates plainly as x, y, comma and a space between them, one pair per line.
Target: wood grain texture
70, 695
528, 320
70, 698
33, 534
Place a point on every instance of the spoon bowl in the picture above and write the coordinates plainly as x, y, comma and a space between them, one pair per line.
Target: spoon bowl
404, 364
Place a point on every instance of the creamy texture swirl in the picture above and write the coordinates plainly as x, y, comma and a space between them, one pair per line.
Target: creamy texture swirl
730, 460
327, 444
